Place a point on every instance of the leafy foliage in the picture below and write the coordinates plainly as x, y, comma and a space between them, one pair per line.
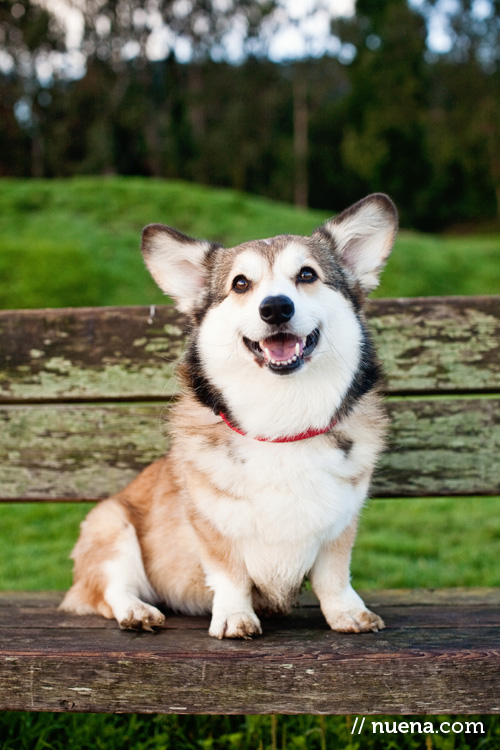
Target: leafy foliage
394, 116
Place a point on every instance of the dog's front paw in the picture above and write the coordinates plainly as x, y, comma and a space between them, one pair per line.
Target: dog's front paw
237, 625
356, 621
141, 616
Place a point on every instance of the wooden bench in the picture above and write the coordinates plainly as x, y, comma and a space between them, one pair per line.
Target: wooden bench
84, 394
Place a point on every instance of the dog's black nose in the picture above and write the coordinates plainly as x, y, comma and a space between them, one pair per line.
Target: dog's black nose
278, 309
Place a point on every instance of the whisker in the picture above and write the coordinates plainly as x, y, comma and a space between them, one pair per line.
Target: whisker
336, 350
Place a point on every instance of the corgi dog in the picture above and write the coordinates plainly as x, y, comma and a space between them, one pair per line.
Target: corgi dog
274, 438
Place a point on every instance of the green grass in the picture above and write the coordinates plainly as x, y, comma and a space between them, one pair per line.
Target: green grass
433, 542
426, 264
76, 242
94, 732
401, 544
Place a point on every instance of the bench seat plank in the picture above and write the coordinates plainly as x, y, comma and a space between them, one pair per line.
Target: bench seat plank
429, 344
437, 447
52, 661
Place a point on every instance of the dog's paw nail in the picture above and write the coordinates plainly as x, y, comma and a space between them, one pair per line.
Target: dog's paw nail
142, 617
359, 621
240, 625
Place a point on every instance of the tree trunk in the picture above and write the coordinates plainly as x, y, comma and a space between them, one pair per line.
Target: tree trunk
300, 137
37, 149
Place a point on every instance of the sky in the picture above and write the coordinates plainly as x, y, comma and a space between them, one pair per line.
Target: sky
299, 28
305, 28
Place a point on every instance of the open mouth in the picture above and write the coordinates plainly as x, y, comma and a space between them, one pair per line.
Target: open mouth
284, 352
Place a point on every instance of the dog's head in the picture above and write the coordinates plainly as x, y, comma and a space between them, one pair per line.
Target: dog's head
285, 310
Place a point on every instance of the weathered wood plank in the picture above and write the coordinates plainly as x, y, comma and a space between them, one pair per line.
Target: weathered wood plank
452, 678
86, 452
441, 447
434, 657
412, 615
438, 344
76, 452
89, 353
457, 596
426, 344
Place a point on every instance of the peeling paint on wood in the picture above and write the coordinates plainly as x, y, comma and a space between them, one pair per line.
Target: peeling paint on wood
426, 345
86, 452
441, 447
439, 344
89, 353
77, 452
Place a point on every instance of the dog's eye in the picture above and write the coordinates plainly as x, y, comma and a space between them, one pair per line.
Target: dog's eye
307, 275
241, 284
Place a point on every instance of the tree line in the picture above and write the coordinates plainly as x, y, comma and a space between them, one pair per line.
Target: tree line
391, 116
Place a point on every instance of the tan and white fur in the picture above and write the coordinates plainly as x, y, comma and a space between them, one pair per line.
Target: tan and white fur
230, 522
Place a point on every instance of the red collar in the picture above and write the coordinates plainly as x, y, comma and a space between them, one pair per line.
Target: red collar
312, 432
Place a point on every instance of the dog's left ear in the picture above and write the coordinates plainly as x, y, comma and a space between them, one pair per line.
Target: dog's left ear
363, 236
176, 262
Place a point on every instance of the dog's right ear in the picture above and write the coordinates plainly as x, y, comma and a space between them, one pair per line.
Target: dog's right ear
176, 262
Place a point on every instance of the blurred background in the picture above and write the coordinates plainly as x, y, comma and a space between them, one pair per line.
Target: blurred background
314, 102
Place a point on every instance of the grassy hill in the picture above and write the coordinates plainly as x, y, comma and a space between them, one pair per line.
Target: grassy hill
76, 242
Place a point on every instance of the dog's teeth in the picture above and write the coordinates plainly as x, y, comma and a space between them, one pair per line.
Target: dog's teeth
273, 361
268, 356
297, 349
294, 358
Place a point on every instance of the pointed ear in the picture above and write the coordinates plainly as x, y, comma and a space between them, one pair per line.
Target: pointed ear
363, 236
176, 262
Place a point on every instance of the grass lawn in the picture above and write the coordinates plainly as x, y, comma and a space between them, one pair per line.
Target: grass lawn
401, 544
95, 732
75, 243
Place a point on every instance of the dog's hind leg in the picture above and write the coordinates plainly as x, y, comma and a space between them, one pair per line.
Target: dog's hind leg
109, 576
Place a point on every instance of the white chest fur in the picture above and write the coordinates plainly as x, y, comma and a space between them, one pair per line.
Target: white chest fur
279, 503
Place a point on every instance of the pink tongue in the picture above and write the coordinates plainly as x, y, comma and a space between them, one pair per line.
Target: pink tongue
281, 349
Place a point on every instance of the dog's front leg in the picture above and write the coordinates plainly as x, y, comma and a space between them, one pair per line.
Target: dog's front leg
343, 608
232, 610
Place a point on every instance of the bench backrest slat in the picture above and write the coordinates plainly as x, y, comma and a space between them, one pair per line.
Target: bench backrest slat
76, 388
428, 345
